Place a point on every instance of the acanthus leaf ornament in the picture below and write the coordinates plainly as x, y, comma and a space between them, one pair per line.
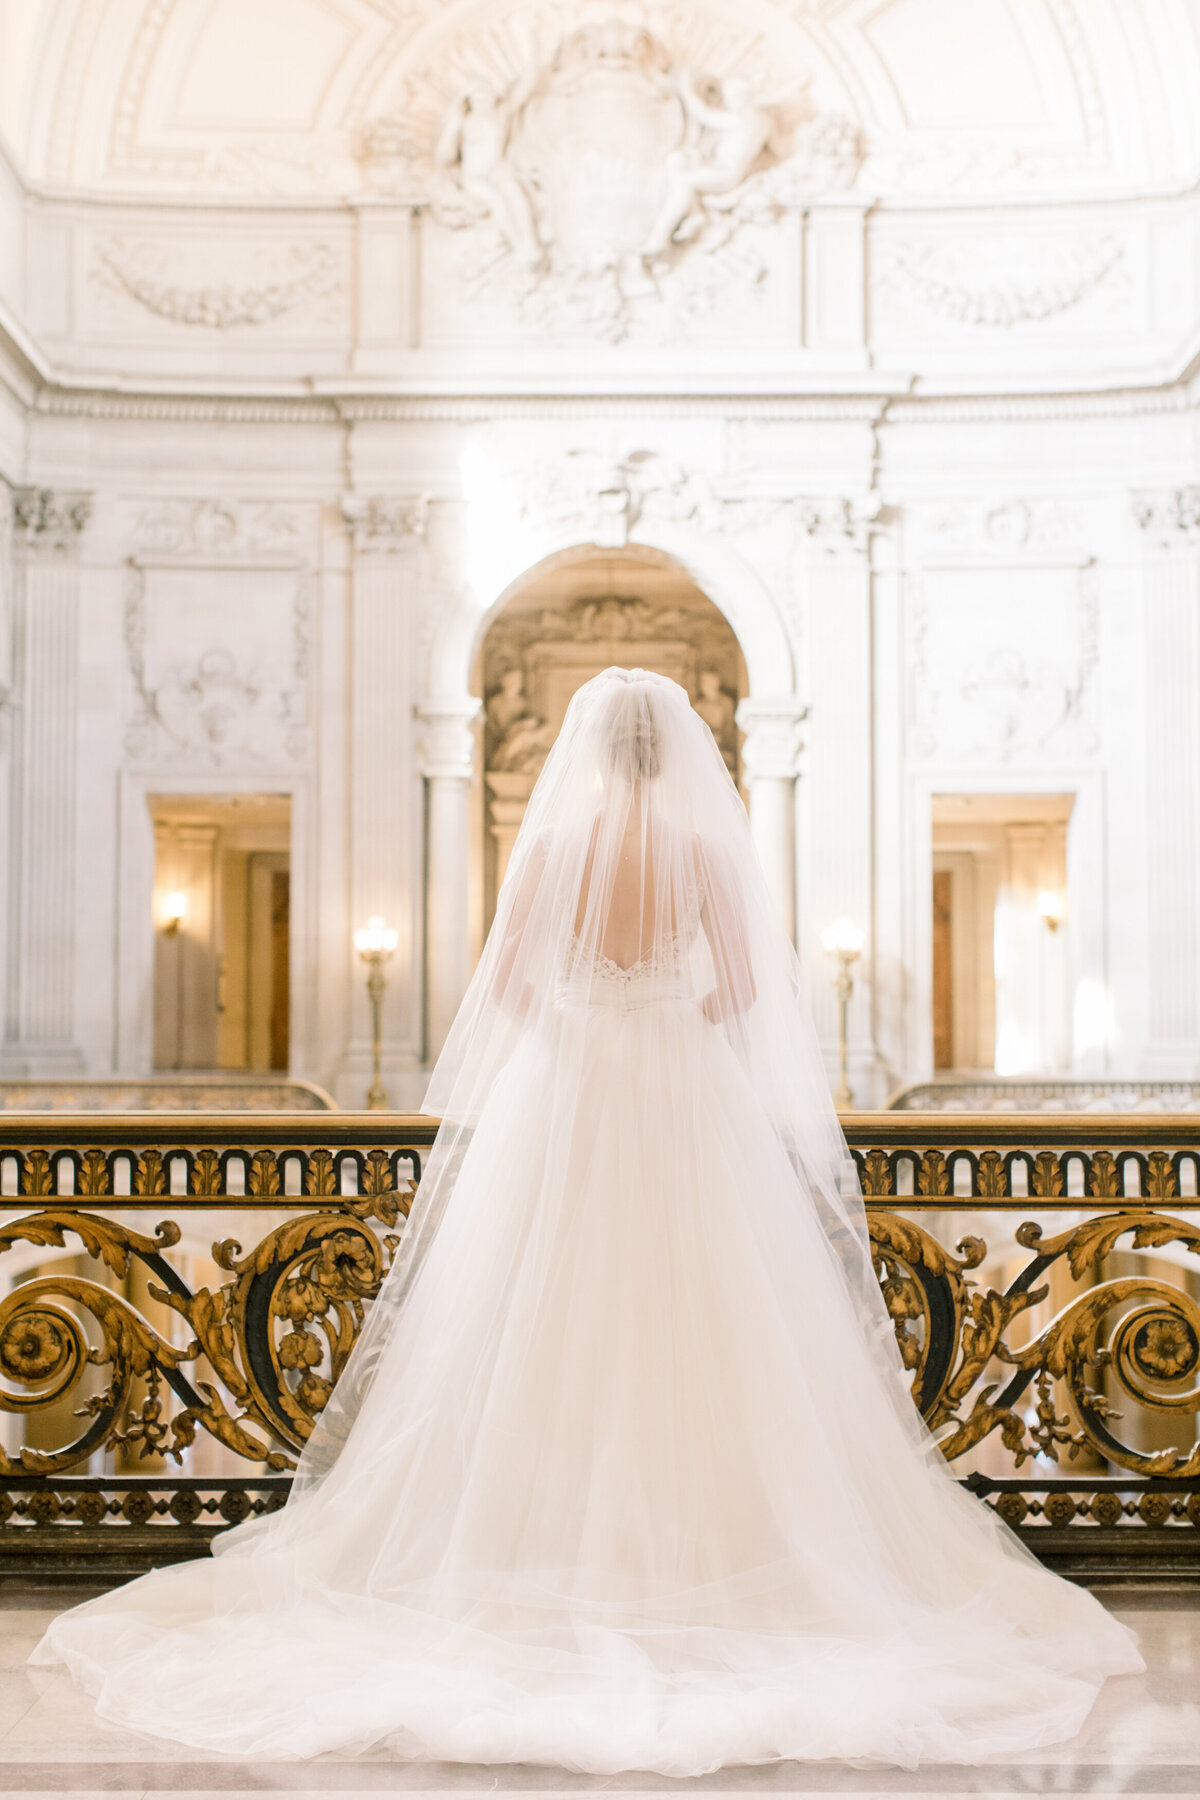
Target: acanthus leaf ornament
47, 519
1171, 517
384, 524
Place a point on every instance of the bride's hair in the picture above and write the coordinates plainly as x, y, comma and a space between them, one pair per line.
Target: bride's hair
632, 733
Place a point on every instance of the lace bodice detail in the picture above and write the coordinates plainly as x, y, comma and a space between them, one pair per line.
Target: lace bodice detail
669, 956
661, 974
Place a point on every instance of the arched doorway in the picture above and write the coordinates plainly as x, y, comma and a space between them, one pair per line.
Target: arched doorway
579, 612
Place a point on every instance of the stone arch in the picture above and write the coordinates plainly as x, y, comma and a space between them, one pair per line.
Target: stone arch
719, 570
572, 615
769, 717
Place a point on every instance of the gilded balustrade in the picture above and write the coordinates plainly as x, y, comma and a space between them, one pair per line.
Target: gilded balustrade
1046, 1407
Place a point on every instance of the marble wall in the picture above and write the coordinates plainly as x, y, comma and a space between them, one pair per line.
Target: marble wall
277, 449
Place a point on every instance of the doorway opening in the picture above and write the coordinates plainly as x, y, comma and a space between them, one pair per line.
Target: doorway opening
1001, 988
577, 614
222, 931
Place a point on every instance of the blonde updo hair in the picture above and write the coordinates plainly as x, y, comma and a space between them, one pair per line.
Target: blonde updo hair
632, 735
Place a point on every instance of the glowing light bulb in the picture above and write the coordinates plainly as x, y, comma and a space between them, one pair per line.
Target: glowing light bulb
1050, 906
376, 937
843, 938
174, 910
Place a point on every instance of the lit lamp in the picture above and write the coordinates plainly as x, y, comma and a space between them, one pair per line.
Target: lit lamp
375, 942
174, 912
844, 940
1050, 907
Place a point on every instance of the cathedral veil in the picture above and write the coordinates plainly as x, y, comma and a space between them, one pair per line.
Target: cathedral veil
624, 1472
635, 844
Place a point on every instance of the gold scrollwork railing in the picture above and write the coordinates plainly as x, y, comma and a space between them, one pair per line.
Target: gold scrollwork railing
1026, 1359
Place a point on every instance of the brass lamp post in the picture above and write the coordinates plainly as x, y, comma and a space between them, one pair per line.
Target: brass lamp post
376, 942
843, 940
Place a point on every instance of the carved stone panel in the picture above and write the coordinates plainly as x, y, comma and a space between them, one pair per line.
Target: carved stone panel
1002, 665
604, 179
218, 664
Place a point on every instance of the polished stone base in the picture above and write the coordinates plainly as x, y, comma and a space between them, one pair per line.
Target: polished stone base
1143, 1739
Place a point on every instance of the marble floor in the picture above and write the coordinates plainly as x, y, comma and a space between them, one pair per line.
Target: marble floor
1142, 1739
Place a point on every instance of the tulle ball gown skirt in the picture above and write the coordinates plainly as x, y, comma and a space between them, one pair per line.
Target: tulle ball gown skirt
633, 1487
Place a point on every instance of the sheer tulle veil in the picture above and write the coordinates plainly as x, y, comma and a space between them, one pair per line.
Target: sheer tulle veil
624, 1472
635, 774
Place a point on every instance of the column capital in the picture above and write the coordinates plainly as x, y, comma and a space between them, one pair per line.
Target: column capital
446, 746
384, 524
772, 736
837, 527
1170, 516
50, 519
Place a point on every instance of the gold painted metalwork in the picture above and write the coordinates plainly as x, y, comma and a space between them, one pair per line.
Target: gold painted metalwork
260, 1350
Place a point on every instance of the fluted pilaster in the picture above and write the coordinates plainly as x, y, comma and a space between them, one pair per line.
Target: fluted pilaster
386, 533
39, 1026
448, 748
1171, 523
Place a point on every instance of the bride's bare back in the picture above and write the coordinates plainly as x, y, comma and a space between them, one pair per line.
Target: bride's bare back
645, 905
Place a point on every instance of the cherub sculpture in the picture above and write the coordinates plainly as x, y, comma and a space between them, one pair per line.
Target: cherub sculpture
723, 144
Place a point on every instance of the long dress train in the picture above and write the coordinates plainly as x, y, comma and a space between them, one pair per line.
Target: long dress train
628, 1476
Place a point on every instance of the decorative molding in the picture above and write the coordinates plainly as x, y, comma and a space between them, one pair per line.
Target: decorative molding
869, 408
1000, 282
216, 528
447, 737
218, 707
50, 519
773, 740
606, 178
999, 529
1028, 691
838, 528
384, 524
603, 498
142, 272
1170, 516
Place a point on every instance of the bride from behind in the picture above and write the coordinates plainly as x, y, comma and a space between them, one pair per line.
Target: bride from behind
624, 1472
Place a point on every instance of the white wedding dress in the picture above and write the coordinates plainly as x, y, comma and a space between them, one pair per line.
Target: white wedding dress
624, 1473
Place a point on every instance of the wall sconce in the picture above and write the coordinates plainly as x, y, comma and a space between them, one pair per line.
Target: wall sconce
843, 940
1051, 907
174, 912
376, 942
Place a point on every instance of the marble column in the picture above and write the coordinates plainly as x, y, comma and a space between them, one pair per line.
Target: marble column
448, 753
385, 825
39, 1023
769, 757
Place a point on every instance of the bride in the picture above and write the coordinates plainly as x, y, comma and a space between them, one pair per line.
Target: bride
624, 1472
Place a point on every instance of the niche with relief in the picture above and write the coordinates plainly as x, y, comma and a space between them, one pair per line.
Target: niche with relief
574, 616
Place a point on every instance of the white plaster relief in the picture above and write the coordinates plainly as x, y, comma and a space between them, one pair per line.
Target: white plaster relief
1003, 281
607, 180
1002, 671
996, 529
384, 524
1170, 517
49, 519
838, 528
215, 527
217, 626
262, 286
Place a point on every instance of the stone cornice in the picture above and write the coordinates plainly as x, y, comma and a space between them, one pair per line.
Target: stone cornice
870, 409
